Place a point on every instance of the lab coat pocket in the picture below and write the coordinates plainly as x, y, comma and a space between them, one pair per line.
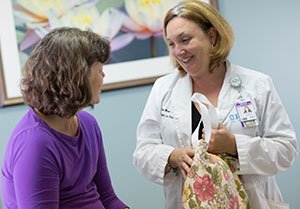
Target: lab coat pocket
170, 178
236, 127
277, 205
168, 131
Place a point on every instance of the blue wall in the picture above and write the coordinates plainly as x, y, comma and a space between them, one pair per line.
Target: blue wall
267, 39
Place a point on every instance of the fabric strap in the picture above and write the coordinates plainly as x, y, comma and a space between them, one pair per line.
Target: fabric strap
209, 117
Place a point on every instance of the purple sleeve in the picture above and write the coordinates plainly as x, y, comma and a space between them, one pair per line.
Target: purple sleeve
36, 179
103, 182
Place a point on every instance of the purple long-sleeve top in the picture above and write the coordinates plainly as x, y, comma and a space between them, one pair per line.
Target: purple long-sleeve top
46, 169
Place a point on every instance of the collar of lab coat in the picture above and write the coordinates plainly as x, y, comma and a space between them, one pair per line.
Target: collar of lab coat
181, 97
228, 95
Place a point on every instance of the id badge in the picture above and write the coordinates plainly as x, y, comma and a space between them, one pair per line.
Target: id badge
246, 113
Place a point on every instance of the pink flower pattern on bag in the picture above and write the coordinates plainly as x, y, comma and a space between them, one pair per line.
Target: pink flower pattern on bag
204, 188
213, 182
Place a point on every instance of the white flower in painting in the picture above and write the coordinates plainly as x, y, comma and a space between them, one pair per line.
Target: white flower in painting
34, 14
83, 17
40, 17
107, 24
145, 17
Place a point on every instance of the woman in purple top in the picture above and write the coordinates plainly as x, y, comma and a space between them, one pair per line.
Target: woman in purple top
55, 156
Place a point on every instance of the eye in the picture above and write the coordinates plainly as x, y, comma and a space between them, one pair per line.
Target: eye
185, 40
100, 67
171, 44
101, 72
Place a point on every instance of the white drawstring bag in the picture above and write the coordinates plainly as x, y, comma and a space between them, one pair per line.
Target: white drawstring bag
212, 182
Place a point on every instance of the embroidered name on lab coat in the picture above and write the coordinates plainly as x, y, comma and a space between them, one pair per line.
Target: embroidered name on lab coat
166, 113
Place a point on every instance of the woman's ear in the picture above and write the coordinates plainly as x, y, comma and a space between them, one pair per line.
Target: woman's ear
212, 33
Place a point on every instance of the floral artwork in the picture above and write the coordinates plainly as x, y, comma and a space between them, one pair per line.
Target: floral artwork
134, 28
122, 22
212, 182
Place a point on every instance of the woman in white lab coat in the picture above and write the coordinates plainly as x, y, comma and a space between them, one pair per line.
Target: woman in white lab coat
263, 140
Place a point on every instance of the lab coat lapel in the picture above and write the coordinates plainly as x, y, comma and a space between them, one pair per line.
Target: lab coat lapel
228, 95
181, 98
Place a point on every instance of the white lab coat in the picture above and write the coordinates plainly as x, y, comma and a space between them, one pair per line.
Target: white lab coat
263, 151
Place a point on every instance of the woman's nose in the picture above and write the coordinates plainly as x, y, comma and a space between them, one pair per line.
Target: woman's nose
179, 51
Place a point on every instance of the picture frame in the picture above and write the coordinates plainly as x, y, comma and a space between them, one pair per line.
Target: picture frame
118, 75
214, 3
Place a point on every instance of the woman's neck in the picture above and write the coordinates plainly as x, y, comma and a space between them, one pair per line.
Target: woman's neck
210, 84
67, 126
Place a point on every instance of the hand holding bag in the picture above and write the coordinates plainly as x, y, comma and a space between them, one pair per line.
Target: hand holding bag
212, 182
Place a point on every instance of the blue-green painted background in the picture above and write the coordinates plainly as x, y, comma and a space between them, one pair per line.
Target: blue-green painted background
267, 39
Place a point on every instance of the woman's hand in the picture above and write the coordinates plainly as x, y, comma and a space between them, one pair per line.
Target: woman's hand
221, 141
182, 158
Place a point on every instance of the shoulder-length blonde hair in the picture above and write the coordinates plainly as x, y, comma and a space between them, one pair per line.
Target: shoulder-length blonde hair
206, 17
56, 72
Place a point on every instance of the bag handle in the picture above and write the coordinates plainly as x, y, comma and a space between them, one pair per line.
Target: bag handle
208, 116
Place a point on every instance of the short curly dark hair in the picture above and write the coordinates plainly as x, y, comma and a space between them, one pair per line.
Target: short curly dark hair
56, 72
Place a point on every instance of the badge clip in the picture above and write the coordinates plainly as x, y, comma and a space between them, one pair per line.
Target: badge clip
236, 82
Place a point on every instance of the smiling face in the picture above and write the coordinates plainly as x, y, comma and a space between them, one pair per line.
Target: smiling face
96, 81
189, 45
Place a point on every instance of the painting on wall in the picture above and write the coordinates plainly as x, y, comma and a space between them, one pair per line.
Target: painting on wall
134, 28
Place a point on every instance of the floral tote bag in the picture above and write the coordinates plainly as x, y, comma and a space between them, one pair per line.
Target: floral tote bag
212, 182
